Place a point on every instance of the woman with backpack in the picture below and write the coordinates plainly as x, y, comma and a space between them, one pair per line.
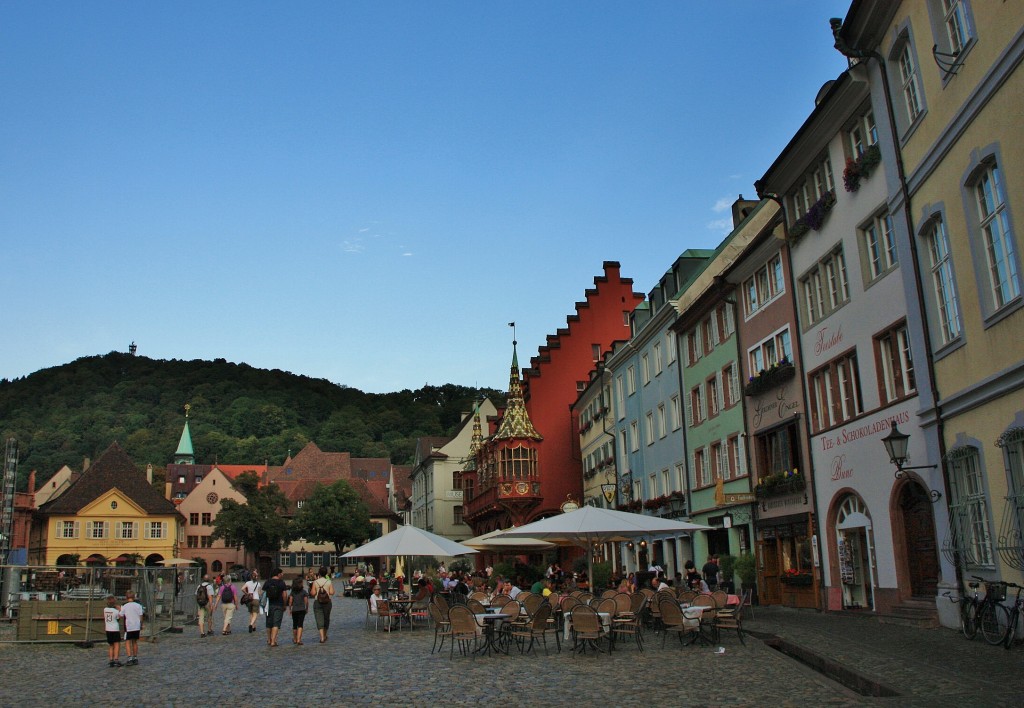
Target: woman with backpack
250, 598
228, 598
298, 605
322, 590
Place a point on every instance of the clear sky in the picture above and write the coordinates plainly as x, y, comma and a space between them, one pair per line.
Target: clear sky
368, 192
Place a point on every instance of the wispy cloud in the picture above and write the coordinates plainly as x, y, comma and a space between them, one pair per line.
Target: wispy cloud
353, 246
722, 226
722, 204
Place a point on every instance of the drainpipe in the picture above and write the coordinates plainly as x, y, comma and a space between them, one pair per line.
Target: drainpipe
844, 48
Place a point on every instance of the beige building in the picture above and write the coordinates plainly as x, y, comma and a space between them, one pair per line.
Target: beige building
200, 508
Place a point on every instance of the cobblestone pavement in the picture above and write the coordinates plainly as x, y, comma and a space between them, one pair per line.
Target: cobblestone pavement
926, 667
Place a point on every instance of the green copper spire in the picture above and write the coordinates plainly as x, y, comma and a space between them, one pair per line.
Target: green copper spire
185, 455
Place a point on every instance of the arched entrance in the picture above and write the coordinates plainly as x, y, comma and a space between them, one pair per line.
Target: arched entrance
153, 560
855, 550
919, 536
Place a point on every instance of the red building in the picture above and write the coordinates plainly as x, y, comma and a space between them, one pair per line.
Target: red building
529, 465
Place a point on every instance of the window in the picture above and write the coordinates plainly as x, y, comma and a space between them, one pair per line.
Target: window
192, 542
731, 385
770, 352
701, 470
97, 529
968, 508
658, 364
620, 398
698, 412
662, 428
457, 514
733, 453
895, 364
127, 530
207, 518
713, 391
811, 188
631, 380
645, 369
763, 287
284, 560
155, 529
300, 503
909, 83
181, 479
680, 476
634, 436
879, 246
649, 428
835, 393
670, 346
956, 25
666, 486
676, 417
825, 287
67, 529
710, 328
199, 478
952, 28
943, 283
862, 134
622, 440
715, 455
318, 559
193, 518
778, 451
595, 351
994, 224
1012, 444
693, 348
726, 320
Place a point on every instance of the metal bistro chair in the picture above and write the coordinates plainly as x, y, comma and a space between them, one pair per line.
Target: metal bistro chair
464, 630
533, 603
537, 627
673, 620
586, 629
442, 627
476, 607
707, 620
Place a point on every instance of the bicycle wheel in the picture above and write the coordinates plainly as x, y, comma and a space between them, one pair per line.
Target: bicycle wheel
992, 621
968, 618
1011, 628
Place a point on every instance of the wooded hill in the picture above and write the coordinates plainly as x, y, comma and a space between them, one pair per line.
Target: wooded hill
239, 414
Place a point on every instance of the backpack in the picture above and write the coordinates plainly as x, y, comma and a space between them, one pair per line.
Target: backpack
273, 590
227, 593
202, 596
321, 595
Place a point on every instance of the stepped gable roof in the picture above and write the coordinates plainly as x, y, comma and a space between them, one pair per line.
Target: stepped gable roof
313, 463
516, 423
113, 470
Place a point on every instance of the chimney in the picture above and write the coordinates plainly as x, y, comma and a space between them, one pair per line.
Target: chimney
149, 473
86, 463
31, 482
167, 490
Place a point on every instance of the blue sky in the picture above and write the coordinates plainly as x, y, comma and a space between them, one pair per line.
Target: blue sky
368, 192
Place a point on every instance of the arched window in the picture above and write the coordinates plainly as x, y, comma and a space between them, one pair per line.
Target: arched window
216, 566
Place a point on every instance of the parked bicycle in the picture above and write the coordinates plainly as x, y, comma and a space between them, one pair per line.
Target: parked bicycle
1013, 616
968, 608
991, 618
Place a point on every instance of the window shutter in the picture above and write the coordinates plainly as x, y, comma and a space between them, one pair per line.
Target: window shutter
718, 390
723, 459
730, 323
145, 529
740, 456
106, 529
734, 383
76, 528
688, 403
715, 334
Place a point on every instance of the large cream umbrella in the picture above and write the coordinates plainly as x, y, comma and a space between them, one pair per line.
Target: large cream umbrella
590, 525
410, 541
497, 541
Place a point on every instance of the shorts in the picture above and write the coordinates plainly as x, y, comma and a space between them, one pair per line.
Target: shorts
275, 613
113, 637
134, 634
298, 619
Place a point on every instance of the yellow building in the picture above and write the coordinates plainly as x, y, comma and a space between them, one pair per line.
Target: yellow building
110, 514
956, 89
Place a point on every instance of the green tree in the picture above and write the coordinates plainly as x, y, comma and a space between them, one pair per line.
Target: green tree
334, 514
260, 523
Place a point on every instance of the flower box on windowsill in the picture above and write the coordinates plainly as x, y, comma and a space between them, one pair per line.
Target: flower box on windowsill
803, 580
814, 219
778, 485
769, 379
861, 168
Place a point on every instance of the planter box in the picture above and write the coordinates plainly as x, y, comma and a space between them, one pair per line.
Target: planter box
797, 581
789, 486
769, 379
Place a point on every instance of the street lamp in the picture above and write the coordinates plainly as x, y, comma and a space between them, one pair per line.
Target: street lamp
896, 444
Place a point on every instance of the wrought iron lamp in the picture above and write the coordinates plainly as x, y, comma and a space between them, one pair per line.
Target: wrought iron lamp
896, 444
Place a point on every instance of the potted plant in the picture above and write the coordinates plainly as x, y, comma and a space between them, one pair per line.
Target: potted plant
745, 569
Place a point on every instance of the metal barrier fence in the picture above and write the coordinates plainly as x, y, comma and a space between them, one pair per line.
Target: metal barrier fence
65, 603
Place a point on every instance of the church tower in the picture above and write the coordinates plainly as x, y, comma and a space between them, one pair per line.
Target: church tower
184, 455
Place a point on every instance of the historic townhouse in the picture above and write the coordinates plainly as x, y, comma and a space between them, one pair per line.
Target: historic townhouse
437, 479
775, 415
110, 514
720, 489
952, 71
199, 509
861, 339
593, 414
648, 418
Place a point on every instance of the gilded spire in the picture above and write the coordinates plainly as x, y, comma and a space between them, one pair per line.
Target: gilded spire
516, 422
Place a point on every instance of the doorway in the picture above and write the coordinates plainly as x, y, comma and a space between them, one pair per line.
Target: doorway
919, 536
855, 551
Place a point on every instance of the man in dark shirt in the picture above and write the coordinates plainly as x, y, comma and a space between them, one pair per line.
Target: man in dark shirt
276, 592
710, 571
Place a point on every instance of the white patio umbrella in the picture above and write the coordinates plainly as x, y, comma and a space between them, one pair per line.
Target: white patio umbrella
497, 541
410, 541
590, 525
176, 561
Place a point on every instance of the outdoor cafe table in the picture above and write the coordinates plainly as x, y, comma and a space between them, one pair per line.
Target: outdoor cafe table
490, 622
606, 624
695, 613
403, 607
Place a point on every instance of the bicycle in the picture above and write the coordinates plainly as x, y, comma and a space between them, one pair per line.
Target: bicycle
988, 618
1014, 617
968, 608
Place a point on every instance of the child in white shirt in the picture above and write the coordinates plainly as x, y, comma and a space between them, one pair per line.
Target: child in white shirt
111, 613
132, 613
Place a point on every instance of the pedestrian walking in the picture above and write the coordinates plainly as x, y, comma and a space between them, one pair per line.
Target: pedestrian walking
323, 590
276, 593
229, 600
112, 626
132, 613
298, 606
710, 571
251, 599
204, 606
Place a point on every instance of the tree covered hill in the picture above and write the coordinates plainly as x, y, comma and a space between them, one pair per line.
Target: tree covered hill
239, 414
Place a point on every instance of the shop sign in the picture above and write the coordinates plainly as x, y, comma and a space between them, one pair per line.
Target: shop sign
767, 411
